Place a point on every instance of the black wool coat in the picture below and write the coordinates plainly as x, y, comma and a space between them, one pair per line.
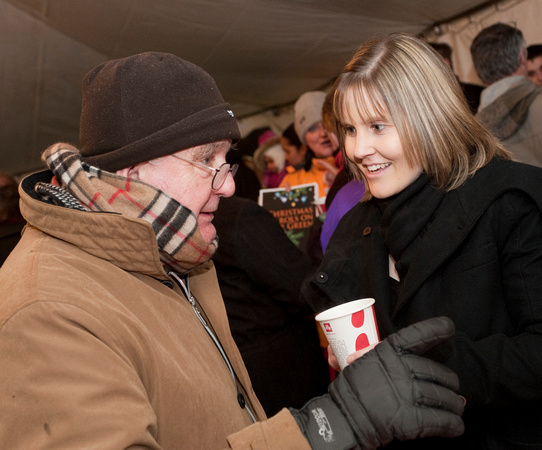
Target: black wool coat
478, 262
10, 233
260, 272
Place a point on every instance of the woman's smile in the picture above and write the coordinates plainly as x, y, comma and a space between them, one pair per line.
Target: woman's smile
377, 168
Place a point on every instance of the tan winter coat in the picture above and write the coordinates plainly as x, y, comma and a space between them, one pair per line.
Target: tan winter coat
101, 350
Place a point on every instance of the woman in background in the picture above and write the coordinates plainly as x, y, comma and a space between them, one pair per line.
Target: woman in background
318, 164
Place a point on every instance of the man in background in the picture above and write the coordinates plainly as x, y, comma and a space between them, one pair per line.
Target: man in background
511, 105
534, 63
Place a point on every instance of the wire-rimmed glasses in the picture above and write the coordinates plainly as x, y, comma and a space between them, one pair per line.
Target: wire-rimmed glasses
219, 175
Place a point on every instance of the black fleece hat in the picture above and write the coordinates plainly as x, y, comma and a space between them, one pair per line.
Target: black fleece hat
149, 105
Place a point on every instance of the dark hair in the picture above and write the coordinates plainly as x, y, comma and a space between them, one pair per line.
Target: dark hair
534, 50
442, 49
496, 52
291, 136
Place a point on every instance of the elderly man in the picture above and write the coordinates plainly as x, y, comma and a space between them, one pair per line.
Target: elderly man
113, 333
510, 106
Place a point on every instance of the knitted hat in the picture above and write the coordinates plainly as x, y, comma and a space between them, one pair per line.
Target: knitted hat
149, 105
277, 154
265, 136
260, 152
308, 111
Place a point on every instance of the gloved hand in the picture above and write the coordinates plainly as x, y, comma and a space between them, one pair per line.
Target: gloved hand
389, 393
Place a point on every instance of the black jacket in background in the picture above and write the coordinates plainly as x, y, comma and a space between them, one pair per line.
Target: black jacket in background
260, 272
10, 233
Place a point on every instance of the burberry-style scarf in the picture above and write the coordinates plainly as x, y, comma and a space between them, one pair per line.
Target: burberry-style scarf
179, 239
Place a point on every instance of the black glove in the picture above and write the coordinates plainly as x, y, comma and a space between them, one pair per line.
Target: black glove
389, 393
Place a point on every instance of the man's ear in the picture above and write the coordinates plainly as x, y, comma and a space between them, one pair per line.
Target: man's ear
523, 59
129, 172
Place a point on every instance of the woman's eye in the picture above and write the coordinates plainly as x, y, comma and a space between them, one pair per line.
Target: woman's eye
378, 127
349, 130
207, 161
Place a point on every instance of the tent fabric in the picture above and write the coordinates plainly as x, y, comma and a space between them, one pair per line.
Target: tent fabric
262, 53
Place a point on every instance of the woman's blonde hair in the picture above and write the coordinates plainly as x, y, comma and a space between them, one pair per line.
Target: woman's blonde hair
404, 79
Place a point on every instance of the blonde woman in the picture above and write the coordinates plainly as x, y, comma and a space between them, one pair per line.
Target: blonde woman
449, 226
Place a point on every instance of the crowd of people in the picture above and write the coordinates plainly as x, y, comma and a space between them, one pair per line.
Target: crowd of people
149, 301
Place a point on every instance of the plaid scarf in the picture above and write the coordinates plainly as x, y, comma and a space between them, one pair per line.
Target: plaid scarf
179, 239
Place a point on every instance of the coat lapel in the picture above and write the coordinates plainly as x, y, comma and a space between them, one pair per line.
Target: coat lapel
459, 213
447, 232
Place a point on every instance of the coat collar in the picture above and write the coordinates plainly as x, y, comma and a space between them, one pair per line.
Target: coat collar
128, 243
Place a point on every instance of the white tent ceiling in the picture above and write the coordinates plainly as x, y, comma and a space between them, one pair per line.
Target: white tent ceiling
262, 53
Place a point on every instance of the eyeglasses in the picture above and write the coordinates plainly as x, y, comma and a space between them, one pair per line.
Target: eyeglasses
220, 174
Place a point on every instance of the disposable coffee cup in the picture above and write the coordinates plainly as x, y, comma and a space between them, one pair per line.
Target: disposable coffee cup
349, 327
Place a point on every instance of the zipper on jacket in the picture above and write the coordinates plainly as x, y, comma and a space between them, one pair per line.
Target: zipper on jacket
185, 287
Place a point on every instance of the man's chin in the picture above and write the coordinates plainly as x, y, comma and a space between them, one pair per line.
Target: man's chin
208, 232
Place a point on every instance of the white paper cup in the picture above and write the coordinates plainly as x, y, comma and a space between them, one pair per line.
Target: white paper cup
349, 327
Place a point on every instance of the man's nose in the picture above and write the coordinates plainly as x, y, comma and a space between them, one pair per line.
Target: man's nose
228, 188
